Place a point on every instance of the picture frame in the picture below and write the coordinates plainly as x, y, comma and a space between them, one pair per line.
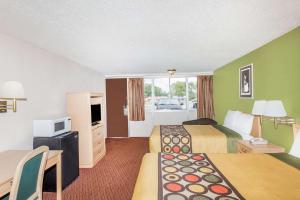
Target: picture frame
246, 81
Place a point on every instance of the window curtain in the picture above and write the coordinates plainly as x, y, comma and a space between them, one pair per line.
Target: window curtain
205, 97
136, 99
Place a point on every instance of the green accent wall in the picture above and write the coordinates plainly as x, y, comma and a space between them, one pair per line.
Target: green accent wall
276, 76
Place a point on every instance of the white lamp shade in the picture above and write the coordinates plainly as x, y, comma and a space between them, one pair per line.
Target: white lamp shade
275, 108
12, 89
259, 107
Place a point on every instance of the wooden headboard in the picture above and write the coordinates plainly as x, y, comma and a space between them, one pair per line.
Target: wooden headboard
296, 128
256, 127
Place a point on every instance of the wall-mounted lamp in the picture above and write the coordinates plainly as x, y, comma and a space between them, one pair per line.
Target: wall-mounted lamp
259, 108
11, 92
273, 111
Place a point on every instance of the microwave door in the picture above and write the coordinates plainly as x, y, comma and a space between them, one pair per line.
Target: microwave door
59, 127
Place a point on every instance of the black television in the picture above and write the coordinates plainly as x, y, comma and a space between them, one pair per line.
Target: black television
96, 113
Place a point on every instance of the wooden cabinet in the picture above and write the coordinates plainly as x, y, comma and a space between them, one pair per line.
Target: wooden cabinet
91, 137
247, 147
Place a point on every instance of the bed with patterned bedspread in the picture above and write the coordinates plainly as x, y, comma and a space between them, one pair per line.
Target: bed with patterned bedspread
169, 176
193, 139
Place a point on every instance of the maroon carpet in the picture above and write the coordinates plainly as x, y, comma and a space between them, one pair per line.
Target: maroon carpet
114, 177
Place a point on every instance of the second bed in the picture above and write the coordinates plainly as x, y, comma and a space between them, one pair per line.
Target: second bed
197, 138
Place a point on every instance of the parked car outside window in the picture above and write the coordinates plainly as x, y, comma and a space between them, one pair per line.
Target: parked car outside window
171, 104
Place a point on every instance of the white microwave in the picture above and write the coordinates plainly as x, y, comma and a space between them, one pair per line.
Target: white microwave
52, 127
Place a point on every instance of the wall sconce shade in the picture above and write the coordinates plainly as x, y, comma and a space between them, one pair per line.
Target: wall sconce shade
259, 107
12, 90
275, 108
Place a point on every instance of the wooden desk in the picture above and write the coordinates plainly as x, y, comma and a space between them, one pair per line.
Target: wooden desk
9, 161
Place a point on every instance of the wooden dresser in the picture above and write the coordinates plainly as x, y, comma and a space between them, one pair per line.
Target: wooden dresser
91, 137
98, 142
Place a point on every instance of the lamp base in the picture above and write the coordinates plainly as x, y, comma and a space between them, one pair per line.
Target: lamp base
3, 106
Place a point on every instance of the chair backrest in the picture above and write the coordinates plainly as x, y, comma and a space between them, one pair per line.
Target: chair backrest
28, 178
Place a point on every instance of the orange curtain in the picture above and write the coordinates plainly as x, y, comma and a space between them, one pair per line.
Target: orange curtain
136, 99
205, 97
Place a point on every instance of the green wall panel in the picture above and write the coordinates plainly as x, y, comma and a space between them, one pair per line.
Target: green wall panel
276, 76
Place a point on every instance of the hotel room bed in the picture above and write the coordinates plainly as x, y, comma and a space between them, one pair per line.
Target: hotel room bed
204, 138
250, 176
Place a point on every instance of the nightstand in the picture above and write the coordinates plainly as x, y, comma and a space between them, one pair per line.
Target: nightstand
244, 146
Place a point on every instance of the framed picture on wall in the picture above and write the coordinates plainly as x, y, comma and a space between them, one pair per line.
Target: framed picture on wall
246, 81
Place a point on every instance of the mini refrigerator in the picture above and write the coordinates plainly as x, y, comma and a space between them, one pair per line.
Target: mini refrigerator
68, 142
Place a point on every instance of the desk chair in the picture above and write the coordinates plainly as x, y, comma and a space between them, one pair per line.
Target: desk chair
28, 178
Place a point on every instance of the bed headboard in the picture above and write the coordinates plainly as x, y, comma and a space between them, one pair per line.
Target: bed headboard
256, 128
296, 128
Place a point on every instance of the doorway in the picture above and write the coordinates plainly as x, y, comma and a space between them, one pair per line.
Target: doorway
116, 101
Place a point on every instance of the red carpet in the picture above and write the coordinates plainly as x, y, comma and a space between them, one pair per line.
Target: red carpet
114, 177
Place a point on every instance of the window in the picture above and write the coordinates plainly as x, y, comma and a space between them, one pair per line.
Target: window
148, 93
161, 88
161, 93
171, 93
192, 93
178, 91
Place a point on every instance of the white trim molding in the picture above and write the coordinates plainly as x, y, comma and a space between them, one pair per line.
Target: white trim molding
157, 75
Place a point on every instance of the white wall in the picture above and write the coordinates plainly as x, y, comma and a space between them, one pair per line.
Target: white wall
46, 78
144, 128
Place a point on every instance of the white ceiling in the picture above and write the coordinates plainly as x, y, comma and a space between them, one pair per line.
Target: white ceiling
149, 36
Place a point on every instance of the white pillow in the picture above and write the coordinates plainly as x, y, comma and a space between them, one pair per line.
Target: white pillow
295, 150
243, 125
230, 119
